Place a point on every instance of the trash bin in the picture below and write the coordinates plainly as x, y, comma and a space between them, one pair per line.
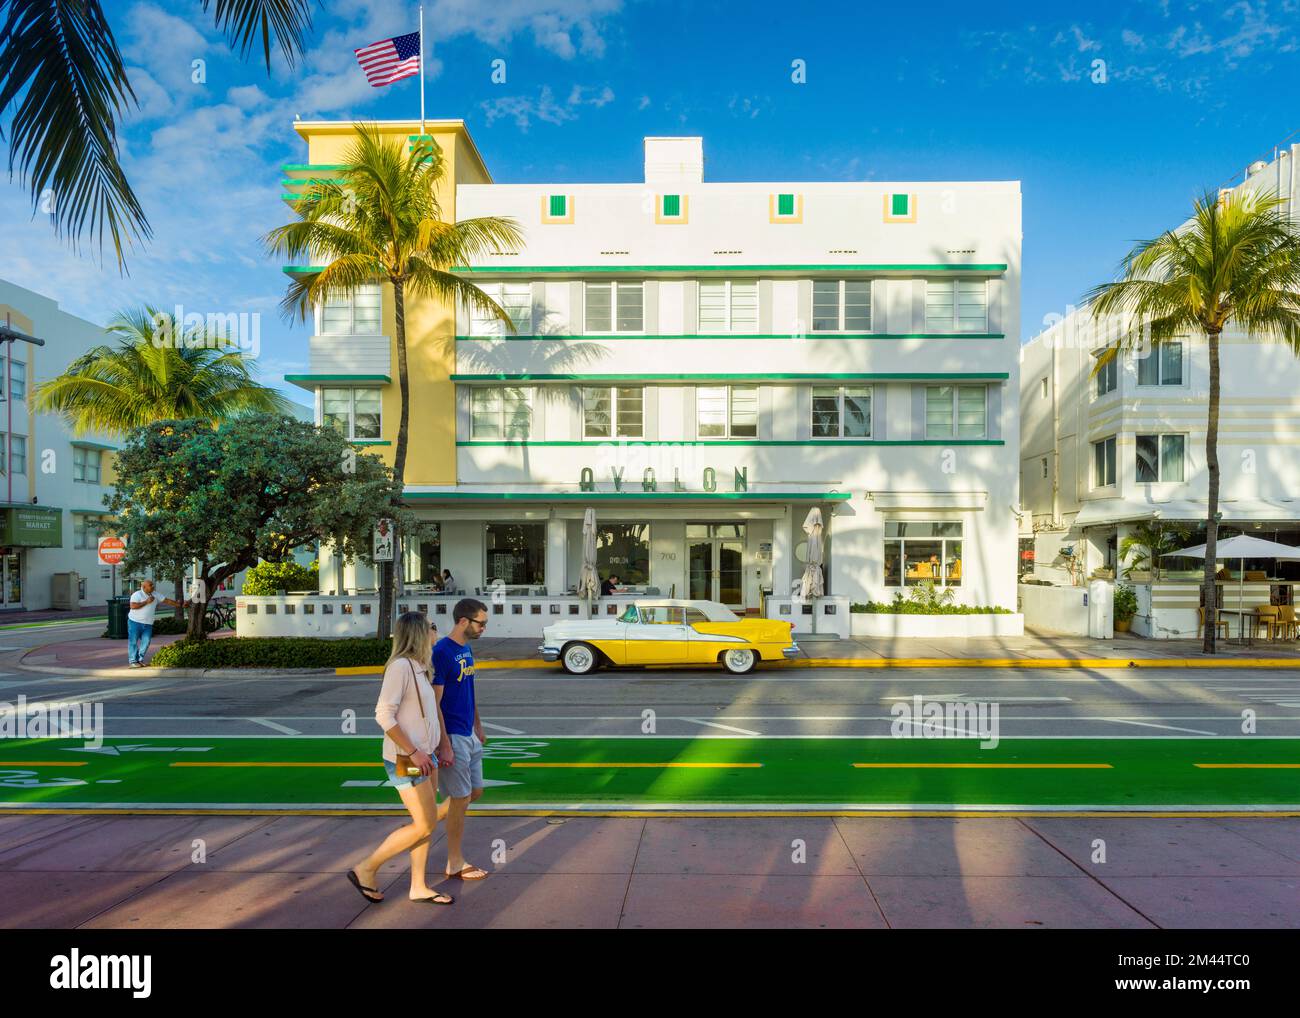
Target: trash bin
117, 610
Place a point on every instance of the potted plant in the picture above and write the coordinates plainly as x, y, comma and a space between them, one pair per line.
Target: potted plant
1126, 606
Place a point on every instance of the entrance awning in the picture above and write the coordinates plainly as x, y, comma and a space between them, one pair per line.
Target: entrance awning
1101, 512
29, 526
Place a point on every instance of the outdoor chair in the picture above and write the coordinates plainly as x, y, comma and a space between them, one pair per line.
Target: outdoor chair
1218, 623
1287, 621
1266, 618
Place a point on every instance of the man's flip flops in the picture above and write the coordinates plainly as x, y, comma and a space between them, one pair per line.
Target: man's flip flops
364, 891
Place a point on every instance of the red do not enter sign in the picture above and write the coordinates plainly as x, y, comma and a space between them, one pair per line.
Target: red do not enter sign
111, 550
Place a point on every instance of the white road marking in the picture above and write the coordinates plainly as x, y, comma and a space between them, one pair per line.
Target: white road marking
1148, 724
282, 729
502, 728
714, 724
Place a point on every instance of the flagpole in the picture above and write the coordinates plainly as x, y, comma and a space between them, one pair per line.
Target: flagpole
421, 72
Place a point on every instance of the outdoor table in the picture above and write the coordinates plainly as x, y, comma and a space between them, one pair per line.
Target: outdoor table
1241, 614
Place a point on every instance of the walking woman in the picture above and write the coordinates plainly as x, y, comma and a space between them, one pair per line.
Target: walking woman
414, 740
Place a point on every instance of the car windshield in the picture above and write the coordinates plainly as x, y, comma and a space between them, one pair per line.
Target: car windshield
630, 615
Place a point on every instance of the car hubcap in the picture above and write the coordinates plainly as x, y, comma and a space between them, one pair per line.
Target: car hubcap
579, 659
738, 659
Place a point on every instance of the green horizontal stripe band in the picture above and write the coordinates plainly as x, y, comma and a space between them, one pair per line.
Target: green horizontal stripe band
337, 378
317, 167
577, 496
601, 337
597, 442
370, 441
78, 444
874, 267
891, 376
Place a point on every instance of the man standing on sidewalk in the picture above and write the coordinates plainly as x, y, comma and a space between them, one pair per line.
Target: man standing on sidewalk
139, 623
453, 681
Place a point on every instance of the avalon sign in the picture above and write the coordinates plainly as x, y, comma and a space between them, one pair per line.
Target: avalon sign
587, 480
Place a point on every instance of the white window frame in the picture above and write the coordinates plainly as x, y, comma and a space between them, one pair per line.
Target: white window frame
841, 306
1111, 461
1107, 373
943, 579
352, 391
729, 419
615, 286
1160, 437
615, 422
488, 327
507, 428
729, 305
1157, 352
84, 467
954, 324
83, 532
839, 412
18, 380
955, 433
15, 442
376, 288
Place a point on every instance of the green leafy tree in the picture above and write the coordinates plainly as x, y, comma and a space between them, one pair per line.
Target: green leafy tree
253, 488
153, 372
63, 88
379, 220
266, 578
1235, 264
1145, 546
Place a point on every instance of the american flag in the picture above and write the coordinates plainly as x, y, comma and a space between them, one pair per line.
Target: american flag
390, 60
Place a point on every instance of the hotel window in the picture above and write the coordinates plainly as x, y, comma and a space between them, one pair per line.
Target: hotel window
1163, 365
17, 455
85, 531
726, 411
1160, 458
1107, 374
501, 413
956, 305
926, 552
17, 380
841, 305
352, 313
623, 550
86, 465
613, 412
841, 411
1103, 460
614, 307
515, 299
728, 307
516, 554
354, 412
956, 411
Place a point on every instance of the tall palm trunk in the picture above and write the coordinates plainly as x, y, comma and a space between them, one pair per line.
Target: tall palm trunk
387, 573
1210, 587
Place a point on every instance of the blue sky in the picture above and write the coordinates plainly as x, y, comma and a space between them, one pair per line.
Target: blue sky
1192, 93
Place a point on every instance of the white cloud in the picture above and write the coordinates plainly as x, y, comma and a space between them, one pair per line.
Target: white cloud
554, 24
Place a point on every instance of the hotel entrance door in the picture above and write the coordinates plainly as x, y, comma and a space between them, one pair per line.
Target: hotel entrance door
716, 554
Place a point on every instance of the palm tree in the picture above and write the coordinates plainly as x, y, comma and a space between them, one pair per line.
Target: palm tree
380, 219
1235, 263
153, 373
1148, 542
64, 85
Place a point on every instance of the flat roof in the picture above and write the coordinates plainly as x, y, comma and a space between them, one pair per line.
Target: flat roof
306, 127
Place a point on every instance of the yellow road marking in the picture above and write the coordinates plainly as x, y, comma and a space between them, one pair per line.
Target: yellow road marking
1250, 766
995, 766
697, 766
43, 763
273, 763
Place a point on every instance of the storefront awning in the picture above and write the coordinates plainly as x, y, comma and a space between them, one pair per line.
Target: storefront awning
1102, 512
29, 526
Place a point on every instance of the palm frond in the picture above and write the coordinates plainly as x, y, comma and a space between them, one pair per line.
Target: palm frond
245, 21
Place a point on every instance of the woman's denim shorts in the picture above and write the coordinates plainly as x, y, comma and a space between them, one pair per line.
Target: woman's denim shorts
403, 781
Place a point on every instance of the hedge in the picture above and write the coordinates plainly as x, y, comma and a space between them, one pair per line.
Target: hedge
912, 608
164, 625
273, 652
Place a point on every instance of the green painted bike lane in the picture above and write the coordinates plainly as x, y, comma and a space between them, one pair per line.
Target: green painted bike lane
739, 772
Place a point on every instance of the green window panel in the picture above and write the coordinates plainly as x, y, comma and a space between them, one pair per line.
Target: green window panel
900, 204
559, 205
672, 205
785, 204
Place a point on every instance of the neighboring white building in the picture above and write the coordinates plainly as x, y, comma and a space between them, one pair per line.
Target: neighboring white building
703, 363
53, 484
1102, 452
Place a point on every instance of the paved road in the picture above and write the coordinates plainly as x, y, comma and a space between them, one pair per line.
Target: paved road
825, 703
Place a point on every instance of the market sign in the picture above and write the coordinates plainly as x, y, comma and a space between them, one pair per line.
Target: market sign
31, 527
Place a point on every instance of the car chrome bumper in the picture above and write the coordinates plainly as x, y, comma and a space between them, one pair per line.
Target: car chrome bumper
549, 653
791, 651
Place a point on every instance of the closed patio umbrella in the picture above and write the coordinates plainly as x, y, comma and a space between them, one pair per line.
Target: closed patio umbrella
812, 585
588, 580
1241, 548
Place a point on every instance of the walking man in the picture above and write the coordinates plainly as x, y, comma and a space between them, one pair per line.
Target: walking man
139, 622
453, 682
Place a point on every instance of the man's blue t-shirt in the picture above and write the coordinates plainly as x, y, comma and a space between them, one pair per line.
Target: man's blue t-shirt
453, 669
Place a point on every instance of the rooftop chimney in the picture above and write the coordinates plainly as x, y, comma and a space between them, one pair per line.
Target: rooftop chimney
674, 160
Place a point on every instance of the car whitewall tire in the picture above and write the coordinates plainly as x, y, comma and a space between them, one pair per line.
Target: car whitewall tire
579, 659
740, 661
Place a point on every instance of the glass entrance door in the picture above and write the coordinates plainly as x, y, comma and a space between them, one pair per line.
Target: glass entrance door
11, 579
716, 572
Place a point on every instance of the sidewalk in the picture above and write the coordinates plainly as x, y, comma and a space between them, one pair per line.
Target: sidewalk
27, 618
98, 656
120, 872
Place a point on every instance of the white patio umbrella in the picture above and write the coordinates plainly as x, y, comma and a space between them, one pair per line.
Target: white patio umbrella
812, 571
1241, 548
588, 580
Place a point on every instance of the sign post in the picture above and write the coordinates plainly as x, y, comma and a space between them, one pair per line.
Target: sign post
111, 551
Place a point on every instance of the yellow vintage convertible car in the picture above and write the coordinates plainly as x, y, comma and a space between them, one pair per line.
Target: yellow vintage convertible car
668, 632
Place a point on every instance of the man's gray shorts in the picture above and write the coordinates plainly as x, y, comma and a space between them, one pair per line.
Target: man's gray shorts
466, 771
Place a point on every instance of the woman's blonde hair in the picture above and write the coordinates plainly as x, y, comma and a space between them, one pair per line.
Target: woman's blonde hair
412, 639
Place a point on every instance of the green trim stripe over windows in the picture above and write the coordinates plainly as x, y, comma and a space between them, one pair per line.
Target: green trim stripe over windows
601, 337
994, 376
572, 270
639, 496
745, 441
